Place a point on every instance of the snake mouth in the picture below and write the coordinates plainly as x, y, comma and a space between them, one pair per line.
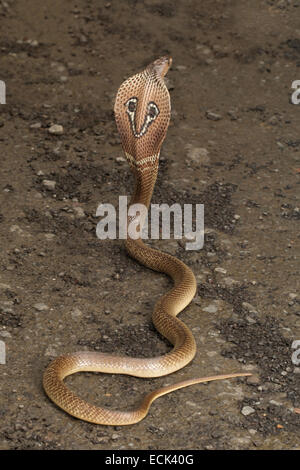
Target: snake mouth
162, 65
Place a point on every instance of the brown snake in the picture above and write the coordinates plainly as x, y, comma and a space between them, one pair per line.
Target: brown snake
142, 112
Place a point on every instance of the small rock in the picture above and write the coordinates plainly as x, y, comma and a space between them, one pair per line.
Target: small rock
213, 116
51, 351
40, 307
249, 307
221, 270
250, 320
49, 236
56, 129
211, 308
6, 309
252, 431
273, 120
181, 68
232, 114
5, 334
292, 296
33, 42
229, 282
253, 379
16, 228
50, 184
79, 212
76, 313
36, 125
247, 410
4, 286
197, 154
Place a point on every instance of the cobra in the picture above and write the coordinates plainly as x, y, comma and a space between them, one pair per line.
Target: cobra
142, 112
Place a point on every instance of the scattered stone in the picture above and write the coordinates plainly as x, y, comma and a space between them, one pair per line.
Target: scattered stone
4, 286
249, 307
56, 129
76, 313
33, 42
221, 270
6, 308
181, 68
203, 49
273, 120
292, 296
197, 155
79, 212
49, 236
16, 228
247, 410
213, 116
49, 184
250, 320
211, 308
229, 282
51, 351
40, 307
252, 431
5, 334
232, 114
36, 125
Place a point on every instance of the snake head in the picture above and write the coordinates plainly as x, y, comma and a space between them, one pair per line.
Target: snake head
142, 112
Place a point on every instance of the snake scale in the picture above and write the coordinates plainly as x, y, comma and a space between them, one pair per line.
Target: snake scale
142, 112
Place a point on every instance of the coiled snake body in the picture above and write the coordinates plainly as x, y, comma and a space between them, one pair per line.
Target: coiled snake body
142, 112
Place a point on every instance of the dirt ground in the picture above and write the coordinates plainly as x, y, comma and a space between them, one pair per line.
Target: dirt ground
233, 144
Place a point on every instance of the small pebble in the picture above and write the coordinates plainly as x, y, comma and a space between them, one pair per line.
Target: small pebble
247, 410
250, 320
76, 313
56, 129
221, 270
253, 380
36, 125
40, 307
211, 308
292, 296
249, 307
197, 154
50, 184
49, 236
5, 334
213, 116
79, 212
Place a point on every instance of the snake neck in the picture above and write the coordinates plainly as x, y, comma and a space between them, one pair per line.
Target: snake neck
144, 186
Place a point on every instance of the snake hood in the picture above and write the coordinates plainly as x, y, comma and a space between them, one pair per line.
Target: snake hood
142, 112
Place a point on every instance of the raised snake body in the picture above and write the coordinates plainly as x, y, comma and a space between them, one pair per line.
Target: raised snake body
142, 113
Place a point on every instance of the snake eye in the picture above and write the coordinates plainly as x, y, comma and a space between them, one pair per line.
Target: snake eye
131, 105
153, 111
